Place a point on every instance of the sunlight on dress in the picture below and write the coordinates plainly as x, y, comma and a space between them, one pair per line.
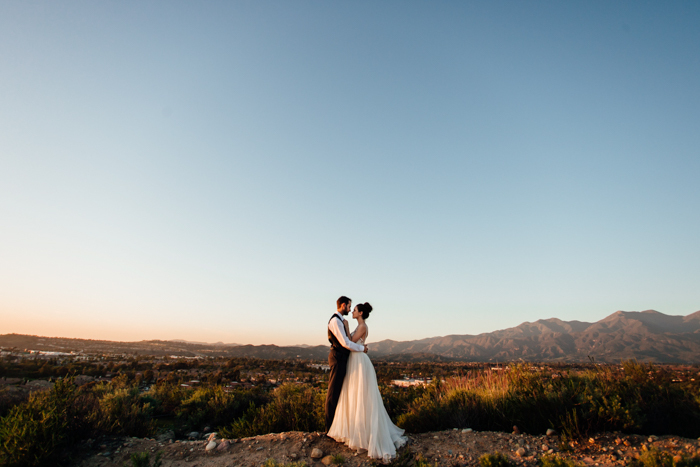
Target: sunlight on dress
361, 421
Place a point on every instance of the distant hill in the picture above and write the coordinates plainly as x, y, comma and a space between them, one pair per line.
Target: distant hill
161, 348
647, 336
218, 344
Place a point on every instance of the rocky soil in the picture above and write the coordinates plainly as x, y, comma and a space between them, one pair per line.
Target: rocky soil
445, 448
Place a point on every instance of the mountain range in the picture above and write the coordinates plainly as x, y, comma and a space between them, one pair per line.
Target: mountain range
647, 336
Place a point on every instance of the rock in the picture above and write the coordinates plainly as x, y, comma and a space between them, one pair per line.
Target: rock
212, 436
436, 437
224, 445
551, 432
591, 440
521, 452
454, 429
207, 429
328, 460
316, 453
677, 459
516, 430
193, 435
545, 447
293, 455
467, 430
211, 446
167, 436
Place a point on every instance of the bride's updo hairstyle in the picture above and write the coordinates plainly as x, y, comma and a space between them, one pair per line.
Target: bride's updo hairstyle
365, 309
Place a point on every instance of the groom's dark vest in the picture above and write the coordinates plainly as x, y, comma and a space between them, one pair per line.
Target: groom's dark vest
335, 343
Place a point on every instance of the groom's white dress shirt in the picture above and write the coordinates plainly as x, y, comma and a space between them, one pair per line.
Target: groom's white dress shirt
338, 331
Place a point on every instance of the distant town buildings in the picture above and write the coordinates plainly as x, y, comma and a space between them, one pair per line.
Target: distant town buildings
407, 382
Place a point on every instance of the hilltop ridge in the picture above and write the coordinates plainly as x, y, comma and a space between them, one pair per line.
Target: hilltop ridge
647, 336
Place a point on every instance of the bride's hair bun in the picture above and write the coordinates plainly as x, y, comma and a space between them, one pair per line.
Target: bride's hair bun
365, 309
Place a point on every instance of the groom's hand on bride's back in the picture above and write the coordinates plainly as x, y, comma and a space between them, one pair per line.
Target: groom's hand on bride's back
366, 349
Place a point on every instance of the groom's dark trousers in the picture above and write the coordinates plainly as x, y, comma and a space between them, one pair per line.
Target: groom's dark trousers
338, 361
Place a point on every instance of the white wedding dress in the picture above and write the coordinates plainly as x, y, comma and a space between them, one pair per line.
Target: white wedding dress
361, 421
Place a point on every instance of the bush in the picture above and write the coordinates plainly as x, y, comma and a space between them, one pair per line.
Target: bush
641, 399
169, 397
274, 463
337, 459
292, 408
33, 431
124, 411
10, 397
422, 462
494, 460
556, 461
656, 458
213, 406
143, 460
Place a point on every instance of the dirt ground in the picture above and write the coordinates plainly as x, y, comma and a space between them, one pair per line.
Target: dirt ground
444, 448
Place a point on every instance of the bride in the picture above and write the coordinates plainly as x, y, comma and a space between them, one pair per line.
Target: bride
361, 421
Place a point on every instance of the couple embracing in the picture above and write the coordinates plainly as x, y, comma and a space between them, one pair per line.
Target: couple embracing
355, 413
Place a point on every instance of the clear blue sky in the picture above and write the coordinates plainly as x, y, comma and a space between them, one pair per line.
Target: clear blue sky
223, 171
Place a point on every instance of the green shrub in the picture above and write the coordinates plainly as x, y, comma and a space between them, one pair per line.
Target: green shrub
337, 459
656, 458
653, 458
555, 461
494, 460
124, 411
169, 397
213, 406
422, 462
143, 460
641, 399
33, 431
689, 462
9, 397
274, 463
292, 408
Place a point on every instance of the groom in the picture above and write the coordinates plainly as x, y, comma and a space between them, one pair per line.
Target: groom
341, 346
